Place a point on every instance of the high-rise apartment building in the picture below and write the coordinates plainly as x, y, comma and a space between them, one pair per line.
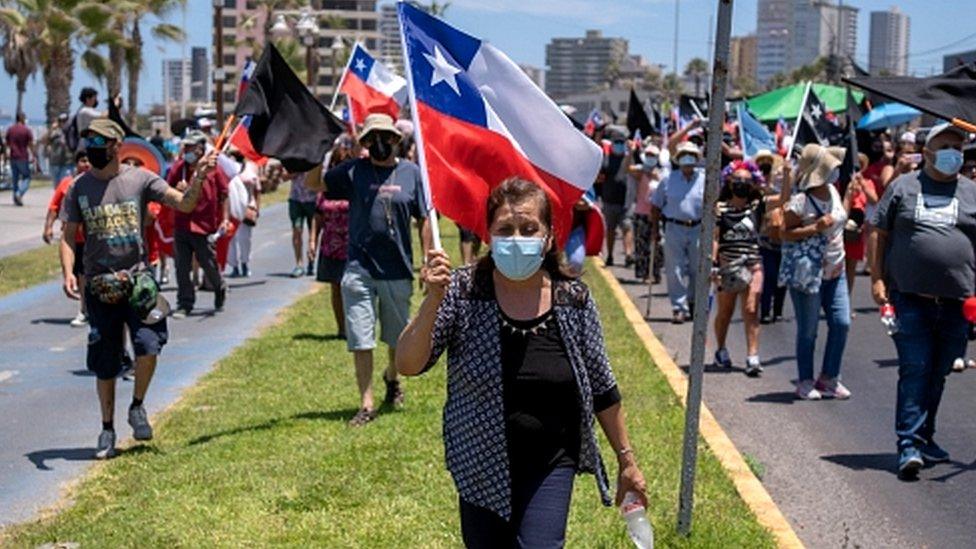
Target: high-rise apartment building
176, 80
793, 33
390, 49
742, 58
582, 64
888, 52
199, 75
245, 27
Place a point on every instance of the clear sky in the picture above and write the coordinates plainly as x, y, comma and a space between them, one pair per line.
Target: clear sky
522, 28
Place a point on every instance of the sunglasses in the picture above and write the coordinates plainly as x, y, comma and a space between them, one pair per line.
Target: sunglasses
96, 141
740, 181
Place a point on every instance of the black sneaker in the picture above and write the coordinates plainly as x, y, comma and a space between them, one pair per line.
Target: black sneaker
394, 394
220, 296
628, 261
609, 261
362, 417
310, 269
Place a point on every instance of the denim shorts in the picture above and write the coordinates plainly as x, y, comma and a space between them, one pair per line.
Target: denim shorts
106, 336
301, 213
366, 300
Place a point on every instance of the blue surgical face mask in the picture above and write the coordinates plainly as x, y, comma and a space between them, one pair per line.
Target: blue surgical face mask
619, 148
687, 160
190, 157
517, 257
948, 161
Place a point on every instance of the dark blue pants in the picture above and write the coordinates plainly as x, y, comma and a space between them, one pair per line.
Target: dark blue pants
540, 508
773, 296
931, 336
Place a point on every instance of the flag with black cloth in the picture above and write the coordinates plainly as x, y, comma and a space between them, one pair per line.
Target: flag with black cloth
850, 165
949, 95
287, 121
115, 116
813, 124
637, 117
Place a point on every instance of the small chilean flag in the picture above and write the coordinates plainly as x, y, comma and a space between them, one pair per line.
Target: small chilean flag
246, 73
371, 87
480, 120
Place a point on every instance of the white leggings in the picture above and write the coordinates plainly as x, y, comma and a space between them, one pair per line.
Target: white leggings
240, 247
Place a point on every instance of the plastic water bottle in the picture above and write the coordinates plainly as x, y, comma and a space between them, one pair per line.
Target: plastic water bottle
638, 526
888, 319
213, 238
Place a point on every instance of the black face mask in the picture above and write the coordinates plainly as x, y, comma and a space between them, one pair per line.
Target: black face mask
380, 150
766, 169
741, 190
98, 157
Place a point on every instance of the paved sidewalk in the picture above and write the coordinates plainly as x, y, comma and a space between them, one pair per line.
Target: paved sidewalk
21, 226
829, 465
49, 417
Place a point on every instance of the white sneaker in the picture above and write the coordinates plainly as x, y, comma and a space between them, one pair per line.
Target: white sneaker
753, 366
805, 390
832, 388
141, 430
79, 321
106, 445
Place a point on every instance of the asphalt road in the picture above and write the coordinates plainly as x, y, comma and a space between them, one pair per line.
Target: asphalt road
830, 465
49, 419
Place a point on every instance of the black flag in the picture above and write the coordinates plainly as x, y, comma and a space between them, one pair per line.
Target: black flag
637, 117
115, 116
850, 165
287, 121
814, 125
949, 95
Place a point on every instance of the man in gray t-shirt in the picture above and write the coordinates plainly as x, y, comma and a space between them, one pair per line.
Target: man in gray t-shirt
924, 267
109, 204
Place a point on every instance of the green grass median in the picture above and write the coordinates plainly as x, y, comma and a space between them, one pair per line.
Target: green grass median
258, 454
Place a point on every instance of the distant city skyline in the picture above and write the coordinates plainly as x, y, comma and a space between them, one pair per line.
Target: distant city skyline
523, 28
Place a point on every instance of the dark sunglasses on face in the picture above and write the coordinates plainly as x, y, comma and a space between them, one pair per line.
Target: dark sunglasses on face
97, 141
740, 181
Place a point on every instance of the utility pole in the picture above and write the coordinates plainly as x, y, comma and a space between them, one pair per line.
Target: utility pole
696, 371
674, 59
219, 61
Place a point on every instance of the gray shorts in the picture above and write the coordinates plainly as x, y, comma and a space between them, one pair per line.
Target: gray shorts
617, 215
365, 300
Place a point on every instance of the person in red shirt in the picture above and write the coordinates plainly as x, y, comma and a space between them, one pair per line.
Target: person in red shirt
193, 231
20, 141
53, 213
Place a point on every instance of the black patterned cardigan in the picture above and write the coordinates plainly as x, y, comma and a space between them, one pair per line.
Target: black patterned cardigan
467, 326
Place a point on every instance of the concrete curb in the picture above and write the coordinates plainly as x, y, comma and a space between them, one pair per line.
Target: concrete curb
749, 487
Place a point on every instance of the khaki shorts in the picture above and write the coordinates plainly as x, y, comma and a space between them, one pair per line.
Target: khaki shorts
365, 300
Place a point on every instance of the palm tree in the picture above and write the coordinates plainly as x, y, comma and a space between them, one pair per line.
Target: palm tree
435, 7
133, 55
672, 87
696, 69
19, 57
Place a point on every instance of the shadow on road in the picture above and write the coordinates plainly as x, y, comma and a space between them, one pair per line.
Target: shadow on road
331, 415
54, 321
887, 363
778, 397
958, 469
40, 457
886, 461
236, 285
81, 372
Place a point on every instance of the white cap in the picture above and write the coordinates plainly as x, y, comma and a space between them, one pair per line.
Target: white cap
946, 127
907, 137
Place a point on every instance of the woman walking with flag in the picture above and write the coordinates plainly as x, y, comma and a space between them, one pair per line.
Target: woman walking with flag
527, 366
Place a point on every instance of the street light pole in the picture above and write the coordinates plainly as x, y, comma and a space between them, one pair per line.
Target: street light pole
219, 61
716, 118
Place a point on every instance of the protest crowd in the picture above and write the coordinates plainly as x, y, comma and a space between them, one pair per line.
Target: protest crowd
805, 209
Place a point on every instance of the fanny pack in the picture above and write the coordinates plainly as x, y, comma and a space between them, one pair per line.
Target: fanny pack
135, 286
735, 276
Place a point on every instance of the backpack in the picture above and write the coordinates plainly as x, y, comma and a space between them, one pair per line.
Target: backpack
71, 135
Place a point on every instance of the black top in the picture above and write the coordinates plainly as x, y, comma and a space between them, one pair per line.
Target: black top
542, 410
738, 231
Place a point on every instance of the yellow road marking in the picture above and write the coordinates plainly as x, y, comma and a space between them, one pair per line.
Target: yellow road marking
749, 487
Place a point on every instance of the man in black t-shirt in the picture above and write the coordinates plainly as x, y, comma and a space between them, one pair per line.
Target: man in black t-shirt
614, 194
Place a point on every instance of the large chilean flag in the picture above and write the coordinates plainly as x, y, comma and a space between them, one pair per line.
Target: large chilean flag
481, 120
371, 87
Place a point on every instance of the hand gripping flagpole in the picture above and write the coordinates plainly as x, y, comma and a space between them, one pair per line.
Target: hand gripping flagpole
418, 136
716, 113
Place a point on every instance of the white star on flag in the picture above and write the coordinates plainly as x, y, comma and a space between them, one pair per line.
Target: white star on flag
444, 71
360, 66
815, 110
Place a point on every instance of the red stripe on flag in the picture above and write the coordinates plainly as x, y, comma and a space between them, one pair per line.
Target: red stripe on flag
466, 161
242, 142
364, 100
